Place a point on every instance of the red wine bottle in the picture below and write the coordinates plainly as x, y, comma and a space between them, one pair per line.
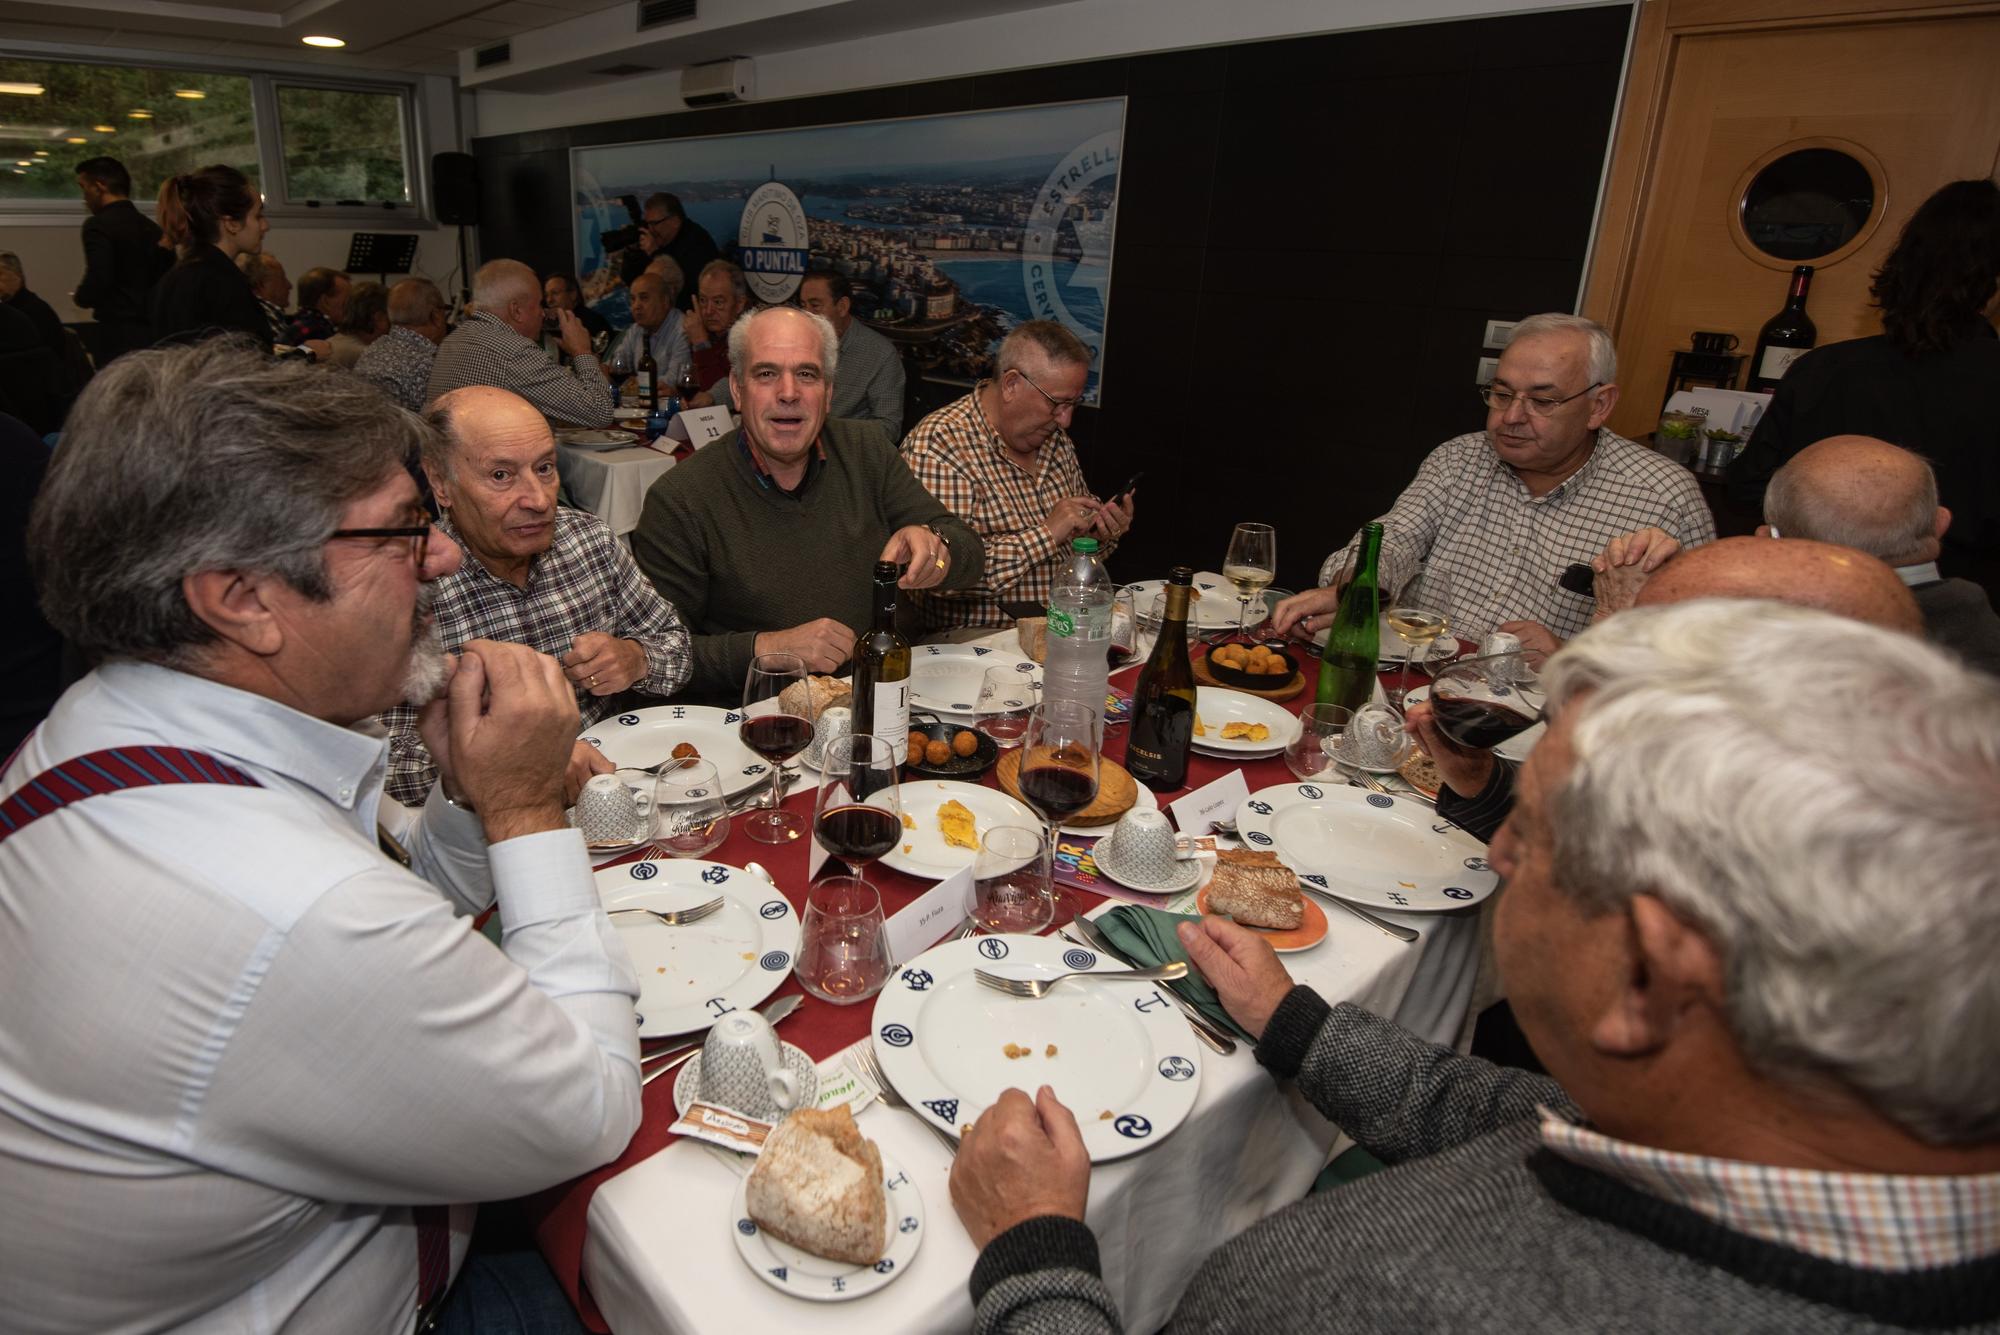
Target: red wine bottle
1156, 754
1785, 337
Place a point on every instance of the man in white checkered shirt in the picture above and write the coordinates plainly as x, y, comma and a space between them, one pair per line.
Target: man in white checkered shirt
1502, 512
496, 345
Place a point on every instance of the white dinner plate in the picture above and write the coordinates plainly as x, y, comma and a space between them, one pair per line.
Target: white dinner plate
647, 736
945, 678
1215, 706
1370, 848
583, 438
1215, 609
1125, 1063
929, 855
815, 1278
1515, 748
728, 961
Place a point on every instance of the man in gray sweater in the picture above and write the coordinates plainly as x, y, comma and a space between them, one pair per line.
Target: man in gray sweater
1755, 952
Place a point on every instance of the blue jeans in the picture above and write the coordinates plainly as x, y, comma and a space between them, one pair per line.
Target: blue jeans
510, 1292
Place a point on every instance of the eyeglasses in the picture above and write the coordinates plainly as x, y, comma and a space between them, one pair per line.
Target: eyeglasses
418, 534
1503, 399
1056, 405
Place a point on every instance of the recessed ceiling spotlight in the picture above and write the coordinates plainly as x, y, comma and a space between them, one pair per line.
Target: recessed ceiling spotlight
76, 139
24, 163
191, 94
328, 42
105, 129
22, 89
141, 115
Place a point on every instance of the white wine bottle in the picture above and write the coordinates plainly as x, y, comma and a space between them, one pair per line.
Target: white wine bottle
882, 668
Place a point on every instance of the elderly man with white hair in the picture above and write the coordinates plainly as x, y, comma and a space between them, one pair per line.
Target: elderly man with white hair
1755, 952
1503, 511
399, 363
497, 345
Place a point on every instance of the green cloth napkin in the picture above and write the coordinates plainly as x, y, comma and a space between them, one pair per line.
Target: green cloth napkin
1148, 937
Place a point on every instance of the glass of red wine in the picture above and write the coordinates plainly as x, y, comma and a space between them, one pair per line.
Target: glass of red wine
1059, 778
777, 732
858, 814
1481, 702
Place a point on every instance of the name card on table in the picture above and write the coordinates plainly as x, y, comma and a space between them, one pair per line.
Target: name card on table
1211, 802
935, 912
705, 426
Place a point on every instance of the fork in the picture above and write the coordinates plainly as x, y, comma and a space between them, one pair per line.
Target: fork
1039, 987
871, 1070
679, 917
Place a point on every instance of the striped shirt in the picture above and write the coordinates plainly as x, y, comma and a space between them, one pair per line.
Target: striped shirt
1872, 1221
1466, 513
585, 581
960, 458
486, 351
399, 364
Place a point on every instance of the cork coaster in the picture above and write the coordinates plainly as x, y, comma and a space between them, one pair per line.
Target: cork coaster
1116, 788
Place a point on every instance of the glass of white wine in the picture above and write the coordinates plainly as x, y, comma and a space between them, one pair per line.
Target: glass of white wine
1419, 613
1251, 564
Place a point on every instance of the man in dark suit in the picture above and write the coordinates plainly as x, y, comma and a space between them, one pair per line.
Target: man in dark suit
667, 230
122, 259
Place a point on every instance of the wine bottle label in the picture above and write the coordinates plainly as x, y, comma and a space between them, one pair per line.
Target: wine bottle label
892, 710
1777, 361
645, 382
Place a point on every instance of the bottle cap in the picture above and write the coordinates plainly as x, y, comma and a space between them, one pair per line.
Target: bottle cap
1181, 575
1083, 544
886, 570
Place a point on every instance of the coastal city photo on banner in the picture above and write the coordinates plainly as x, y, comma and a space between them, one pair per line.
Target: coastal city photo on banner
953, 229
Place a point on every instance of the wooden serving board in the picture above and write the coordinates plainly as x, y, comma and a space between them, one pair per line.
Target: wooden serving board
1284, 690
1117, 790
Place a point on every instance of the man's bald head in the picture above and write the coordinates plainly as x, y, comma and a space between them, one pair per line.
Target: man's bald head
509, 291
1798, 571
479, 412
1859, 492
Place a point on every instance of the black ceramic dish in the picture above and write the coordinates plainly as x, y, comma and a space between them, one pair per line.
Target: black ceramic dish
966, 768
1255, 681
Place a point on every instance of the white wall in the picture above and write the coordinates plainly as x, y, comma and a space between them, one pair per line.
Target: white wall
1057, 34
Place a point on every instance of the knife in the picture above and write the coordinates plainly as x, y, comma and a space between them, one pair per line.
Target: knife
1204, 1028
774, 1012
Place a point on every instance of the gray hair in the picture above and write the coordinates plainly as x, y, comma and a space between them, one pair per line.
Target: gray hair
1796, 511
739, 339
12, 263
1830, 820
204, 457
364, 303
256, 266
1603, 351
498, 282
733, 270
414, 301
1054, 341
669, 270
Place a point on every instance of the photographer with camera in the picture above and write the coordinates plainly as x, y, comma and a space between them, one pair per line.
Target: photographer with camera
663, 228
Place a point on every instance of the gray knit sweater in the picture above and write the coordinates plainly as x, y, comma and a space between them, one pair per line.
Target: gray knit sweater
736, 556
1474, 1228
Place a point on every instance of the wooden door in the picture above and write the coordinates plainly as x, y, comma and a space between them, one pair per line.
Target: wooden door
1719, 87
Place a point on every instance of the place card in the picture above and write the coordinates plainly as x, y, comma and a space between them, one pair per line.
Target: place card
705, 426
816, 854
1211, 802
935, 912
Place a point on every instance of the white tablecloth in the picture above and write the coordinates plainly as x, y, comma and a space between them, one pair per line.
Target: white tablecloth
612, 484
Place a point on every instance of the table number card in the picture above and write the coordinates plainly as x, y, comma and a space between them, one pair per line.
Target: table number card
705, 426
1211, 802
933, 913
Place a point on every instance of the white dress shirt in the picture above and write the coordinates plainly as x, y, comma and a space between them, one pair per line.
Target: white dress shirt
239, 1043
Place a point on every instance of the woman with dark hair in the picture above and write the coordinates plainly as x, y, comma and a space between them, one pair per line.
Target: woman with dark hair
1929, 382
211, 216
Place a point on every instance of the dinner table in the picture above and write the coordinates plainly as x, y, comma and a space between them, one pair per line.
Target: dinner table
611, 483
647, 1242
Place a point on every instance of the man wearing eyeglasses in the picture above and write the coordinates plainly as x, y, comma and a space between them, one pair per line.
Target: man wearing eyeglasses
1002, 461
1504, 511
665, 229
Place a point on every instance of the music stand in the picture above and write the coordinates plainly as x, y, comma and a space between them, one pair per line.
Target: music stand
381, 253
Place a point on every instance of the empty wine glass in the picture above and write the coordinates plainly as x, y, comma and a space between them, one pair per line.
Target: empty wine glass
691, 813
1481, 702
777, 735
1059, 767
858, 811
1320, 730
843, 945
1419, 613
1250, 565
1010, 892
1006, 698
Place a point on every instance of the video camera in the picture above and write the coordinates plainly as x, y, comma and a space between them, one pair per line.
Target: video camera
628, 235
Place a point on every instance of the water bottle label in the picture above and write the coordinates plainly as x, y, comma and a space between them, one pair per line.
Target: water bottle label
1061, 624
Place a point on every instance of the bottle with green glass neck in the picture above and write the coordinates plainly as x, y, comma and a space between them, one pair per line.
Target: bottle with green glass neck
1354, 641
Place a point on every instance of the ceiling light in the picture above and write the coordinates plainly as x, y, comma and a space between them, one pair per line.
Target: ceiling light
327, 42
22, 89
191, 94
41, 152
105, 129
76, 139
24, 163
138, 115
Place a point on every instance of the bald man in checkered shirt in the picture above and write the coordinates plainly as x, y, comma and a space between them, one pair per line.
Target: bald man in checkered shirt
1503, 511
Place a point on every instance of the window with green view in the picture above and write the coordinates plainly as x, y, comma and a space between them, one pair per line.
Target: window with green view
343, 145
158, 122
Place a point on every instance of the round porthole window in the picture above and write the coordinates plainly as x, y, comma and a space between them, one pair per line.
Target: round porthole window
1807, 204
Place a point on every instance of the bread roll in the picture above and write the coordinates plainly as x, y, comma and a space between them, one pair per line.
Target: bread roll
818, 1186
807, 698
1034, 633
1256, 890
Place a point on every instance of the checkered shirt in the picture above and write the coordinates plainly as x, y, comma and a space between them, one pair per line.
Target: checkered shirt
585, 581
959, 457
1470, 516
1872, 1221
484, 351
399, 364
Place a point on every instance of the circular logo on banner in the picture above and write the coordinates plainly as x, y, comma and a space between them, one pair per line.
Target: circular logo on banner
771, 242
1087, 163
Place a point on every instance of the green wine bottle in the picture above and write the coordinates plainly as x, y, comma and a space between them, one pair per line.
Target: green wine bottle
1354, 641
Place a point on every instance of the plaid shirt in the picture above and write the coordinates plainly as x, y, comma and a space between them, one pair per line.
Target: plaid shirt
1872, 1221
585, 581
1468, 515
959, 457
485, 351
399, 364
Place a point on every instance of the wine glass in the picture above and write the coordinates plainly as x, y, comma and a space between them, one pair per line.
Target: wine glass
1481, 702
1250, 564
1009, 893
1059, 777
1419, 613
777, 736
858, 813
1005, 699
691, 813
1320, 729
843, 945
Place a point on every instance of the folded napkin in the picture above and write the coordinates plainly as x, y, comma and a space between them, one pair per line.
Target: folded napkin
1148, 938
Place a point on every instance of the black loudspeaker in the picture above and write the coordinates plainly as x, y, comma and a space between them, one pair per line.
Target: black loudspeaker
455, 187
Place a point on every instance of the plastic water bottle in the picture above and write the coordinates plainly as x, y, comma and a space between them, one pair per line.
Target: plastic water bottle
1079, 630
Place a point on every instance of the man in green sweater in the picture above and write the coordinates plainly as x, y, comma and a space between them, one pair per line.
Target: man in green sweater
765, 540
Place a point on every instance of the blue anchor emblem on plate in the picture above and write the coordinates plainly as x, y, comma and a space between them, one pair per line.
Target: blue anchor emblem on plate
747, 1227
774, 908
774, 960
1133, 1126
993, 948
1024, 667
908, 1224
628, 720
897, 1036
1176, 1068
1079, 959
645, 871
884, 1266
715, 875
1308, 790
918, 979
1257, 837
680, 711
1457, 892
1261, 808
1382, 800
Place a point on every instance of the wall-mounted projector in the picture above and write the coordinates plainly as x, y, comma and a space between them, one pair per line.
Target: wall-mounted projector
714, 82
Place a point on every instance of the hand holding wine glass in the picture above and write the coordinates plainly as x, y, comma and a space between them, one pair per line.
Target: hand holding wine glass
1059, 768
1478, 703
776, 736
1250, 565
